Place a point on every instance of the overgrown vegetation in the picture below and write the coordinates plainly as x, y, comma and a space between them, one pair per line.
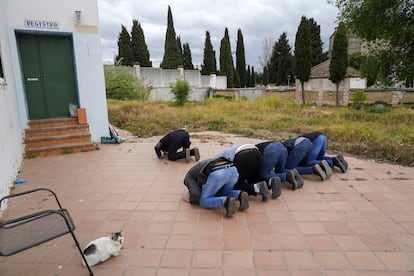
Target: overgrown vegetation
386, 136
358, 98
122, 85
181, 90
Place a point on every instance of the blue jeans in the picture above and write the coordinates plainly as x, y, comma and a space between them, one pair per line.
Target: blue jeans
218, 187
274, 157
319, 150
300, 157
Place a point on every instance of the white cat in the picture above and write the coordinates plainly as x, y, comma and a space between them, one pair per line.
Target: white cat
100, 250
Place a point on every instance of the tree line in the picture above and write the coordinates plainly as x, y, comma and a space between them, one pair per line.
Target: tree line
282, 65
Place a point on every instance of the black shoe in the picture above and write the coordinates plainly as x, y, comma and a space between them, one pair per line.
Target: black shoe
290, 177
196, 153
263, 190
298, 178
341, 157
325, 167
276, 185
339, 162
244, 201
319, 172
230, 206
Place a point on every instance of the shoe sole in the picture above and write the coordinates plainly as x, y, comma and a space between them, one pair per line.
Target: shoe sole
342, 159
196, 154
231, 208
298, 178
317, 170
187, 155
244, 201
338, 162
276, 187
290, 177
325, 167
263, 190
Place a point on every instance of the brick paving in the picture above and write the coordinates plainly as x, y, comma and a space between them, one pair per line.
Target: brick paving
357, 223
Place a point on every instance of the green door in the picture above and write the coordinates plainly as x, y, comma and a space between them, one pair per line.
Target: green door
48, 72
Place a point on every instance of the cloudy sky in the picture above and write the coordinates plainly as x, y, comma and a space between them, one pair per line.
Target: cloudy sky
259, 20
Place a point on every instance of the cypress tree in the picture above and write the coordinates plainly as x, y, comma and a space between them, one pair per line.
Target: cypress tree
339, 58
139, 47
248, 77
226, 59
180, 50
253, 78
303, 53
125, 54
172, 53
240, 59
236, 80
209, 58
187, 60
316, 42
281, 60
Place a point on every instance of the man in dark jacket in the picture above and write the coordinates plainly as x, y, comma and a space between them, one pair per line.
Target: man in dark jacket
172, 142
211, 184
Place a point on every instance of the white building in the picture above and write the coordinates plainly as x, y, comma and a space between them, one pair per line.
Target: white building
50, 56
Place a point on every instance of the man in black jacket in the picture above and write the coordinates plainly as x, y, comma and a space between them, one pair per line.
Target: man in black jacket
211, 184
172, 142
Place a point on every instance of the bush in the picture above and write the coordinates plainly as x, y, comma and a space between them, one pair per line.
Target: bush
181, 90
358, 98
121, 84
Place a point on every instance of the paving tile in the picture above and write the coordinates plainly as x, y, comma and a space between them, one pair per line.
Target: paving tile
357, 223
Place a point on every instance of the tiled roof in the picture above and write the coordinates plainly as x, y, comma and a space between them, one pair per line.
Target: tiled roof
322, 71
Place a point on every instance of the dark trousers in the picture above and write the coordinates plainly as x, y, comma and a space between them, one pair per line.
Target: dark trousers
179, 139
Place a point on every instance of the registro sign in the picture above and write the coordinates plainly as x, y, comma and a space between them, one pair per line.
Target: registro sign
41, 24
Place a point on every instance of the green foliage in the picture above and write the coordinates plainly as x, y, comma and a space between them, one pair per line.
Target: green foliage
139, 47
181, 90
240, 60
389, 22
172, 49
125, 54
209, 58
339, 58
226, 59
316, 42
280, 65
358, 98
187, 60
121, 84
303, 53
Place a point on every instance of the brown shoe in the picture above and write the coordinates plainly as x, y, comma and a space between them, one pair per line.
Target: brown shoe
187, 155
196, 154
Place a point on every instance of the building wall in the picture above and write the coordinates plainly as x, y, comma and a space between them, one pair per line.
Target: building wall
11, 131
51, 17
87, 49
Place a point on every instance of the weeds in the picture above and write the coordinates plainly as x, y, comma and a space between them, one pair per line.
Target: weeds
383, 136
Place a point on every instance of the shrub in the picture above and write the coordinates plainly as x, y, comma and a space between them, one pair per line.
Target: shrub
181, 90
121, 84
358, 98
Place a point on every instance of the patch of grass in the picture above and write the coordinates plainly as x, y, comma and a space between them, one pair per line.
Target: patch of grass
382, 136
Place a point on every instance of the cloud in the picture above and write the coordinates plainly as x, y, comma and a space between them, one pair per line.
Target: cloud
257, 20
